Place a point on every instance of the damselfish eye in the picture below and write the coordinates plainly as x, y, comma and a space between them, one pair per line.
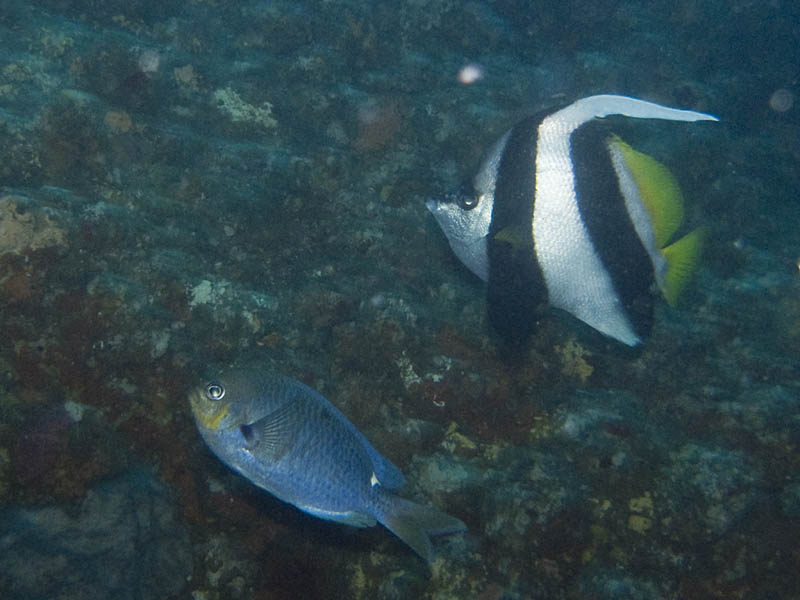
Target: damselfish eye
468, 202
215, 391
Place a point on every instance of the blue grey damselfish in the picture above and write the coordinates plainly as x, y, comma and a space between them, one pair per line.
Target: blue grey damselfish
287, 439
566, 214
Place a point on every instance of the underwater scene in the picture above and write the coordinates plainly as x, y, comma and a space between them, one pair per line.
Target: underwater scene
426, 299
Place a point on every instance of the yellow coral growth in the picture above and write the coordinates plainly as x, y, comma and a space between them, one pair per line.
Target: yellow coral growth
642, 508
239, 111
639, 523
573, 363
118, 121
22, 230
643, 504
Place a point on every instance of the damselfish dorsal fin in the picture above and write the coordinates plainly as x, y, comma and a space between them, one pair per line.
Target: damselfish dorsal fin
658, 190
682, 259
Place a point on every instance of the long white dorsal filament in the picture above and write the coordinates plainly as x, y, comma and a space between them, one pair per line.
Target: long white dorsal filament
604, 105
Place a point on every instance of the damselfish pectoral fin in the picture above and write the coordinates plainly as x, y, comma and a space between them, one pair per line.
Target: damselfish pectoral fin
682, 258
274, 433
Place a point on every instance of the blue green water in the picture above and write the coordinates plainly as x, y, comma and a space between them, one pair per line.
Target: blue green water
187, 185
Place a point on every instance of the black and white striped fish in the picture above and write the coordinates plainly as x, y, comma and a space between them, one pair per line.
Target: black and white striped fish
566, 214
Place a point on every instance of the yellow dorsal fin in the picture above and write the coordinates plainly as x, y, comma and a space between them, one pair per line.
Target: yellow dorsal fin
682, 259
658, 190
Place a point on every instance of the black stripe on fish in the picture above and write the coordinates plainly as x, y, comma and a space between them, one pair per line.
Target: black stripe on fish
611, 231
516, 292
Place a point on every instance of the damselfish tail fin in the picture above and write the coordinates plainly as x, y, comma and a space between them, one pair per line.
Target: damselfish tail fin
414, 524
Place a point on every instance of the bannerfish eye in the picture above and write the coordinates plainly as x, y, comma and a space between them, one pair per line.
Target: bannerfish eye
215, 391
468, 202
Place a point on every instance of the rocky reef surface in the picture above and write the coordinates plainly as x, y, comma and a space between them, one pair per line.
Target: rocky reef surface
200, 183
121, 541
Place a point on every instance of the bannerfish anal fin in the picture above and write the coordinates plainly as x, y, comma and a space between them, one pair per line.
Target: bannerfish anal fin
682, 258
658, 190
276, 431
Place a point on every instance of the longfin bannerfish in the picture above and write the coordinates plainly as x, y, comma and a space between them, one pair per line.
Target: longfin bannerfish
564, 213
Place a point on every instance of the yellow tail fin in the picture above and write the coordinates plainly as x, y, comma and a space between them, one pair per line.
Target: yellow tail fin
682, 259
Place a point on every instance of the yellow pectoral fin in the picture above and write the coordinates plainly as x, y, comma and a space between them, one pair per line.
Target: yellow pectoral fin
658, 190
682, 258
510, 235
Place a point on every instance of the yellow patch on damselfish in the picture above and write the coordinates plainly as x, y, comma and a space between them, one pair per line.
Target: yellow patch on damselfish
214, 419
208, 413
